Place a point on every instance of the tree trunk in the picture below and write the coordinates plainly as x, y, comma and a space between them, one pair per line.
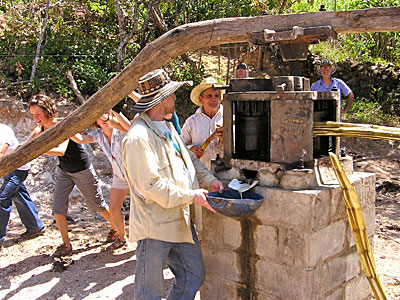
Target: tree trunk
122, 36
74, 87
39, 44
186, 38
125, 36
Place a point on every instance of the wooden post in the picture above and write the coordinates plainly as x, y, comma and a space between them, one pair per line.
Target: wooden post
219, 59
259, 58
228, 65
200, 56
236, 58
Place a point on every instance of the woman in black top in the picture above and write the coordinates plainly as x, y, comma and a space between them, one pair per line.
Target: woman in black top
74, 168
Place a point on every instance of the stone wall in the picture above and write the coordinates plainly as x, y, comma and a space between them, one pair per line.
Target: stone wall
298, 245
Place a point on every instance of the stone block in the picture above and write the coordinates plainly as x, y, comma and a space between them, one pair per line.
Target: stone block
224, 290
213, 232
336, 295
353, 265
342, 269
278, 282
222, 262
326, 242
357, 184
347, 164
338, 206
322, 206
298, 179
369, 219
262, 296
283, 282
229, 174
357, 289
266, 178
231, 233
292, 247
266, 241
369, 194
293, 209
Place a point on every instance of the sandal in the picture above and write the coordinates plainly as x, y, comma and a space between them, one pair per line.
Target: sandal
112, 236
63, 250
116, 245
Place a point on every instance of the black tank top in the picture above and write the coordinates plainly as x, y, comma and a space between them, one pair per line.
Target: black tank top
75, 158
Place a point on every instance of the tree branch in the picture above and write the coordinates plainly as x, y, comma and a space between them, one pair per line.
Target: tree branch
74, 87
124, 35
39, 44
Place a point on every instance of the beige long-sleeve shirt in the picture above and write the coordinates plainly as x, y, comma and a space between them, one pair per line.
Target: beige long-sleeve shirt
159, 193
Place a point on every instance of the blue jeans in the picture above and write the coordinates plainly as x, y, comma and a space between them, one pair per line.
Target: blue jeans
13, 185
185, 261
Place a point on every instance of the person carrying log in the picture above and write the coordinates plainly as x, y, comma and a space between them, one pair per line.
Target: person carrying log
74, 168
164, 179
13, 187
111, 129
327, 83
205, 121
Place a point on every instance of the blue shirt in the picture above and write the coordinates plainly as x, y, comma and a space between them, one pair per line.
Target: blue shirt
175, 122
319, 86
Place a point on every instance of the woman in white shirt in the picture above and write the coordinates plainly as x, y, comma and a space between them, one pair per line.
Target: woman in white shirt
109, 135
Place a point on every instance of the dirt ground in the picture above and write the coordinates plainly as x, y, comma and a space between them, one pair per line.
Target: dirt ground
29, 272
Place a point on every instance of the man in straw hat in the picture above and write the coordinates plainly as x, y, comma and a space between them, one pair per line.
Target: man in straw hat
327, 83
207, 118
164, 178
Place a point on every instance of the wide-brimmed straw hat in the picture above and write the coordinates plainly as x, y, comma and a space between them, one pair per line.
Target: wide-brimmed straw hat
207, 83
325, 62
155, 87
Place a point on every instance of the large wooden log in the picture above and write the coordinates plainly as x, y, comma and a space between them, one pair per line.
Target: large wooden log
186, 38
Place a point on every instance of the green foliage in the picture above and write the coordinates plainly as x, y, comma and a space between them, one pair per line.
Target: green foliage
331, 50
181, 71
367, 112
378, 47
82, 36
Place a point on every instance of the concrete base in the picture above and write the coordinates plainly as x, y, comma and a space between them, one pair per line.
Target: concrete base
298, 245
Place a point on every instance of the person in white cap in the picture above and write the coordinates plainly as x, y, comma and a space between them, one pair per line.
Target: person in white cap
164, 178
207, 118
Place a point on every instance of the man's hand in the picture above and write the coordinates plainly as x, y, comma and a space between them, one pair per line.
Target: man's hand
219, 132
217, 185
200, 199
3, 149
197, 151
